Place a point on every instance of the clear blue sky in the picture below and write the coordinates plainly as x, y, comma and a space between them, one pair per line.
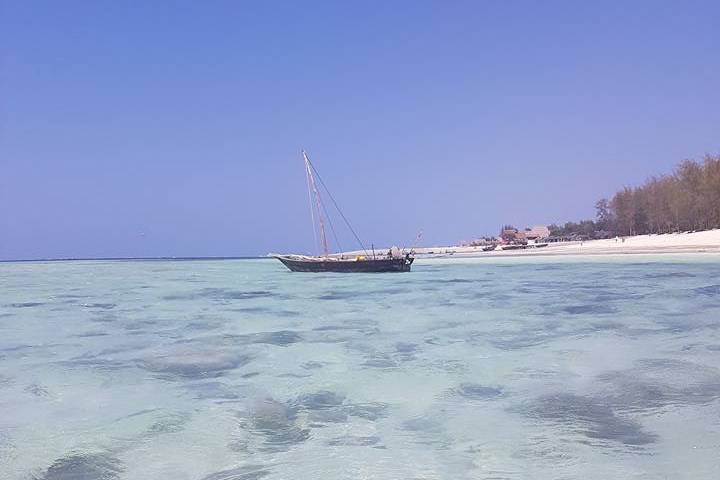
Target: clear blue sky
174, 128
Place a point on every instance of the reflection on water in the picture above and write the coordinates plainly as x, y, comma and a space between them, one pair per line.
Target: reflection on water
462, 369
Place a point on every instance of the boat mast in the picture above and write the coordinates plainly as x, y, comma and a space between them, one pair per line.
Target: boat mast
318, 203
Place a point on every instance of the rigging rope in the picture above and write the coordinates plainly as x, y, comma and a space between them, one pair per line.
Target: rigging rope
332, 227
337, 207
312, 214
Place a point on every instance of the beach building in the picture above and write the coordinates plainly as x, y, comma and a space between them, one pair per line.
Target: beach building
537, 232
508, 234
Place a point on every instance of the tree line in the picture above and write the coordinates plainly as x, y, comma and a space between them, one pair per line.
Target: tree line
685, 200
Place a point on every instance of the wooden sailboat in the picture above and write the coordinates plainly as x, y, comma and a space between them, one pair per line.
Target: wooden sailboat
393, 261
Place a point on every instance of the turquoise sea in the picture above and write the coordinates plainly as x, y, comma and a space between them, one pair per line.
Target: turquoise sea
514, 368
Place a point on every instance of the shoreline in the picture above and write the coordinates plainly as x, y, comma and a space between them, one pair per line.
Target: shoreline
572, 252
701, 243
705, 242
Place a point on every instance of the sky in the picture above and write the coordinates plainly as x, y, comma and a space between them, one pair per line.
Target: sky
174, 128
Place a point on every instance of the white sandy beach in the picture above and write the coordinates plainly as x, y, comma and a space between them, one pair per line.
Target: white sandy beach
696, 242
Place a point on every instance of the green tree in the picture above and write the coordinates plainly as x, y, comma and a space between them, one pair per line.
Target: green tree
603, 214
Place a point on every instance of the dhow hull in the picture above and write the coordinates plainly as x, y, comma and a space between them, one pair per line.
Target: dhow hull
347, 266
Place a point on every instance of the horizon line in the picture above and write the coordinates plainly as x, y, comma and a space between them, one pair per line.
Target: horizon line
78, 259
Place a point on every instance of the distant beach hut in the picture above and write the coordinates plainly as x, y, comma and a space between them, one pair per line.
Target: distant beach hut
537, 232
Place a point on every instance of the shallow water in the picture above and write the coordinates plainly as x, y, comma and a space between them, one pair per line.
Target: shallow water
462, 369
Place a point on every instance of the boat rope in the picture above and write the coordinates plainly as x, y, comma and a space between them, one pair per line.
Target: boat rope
312, 213
415, 243
337, 207
317, 202
332, 227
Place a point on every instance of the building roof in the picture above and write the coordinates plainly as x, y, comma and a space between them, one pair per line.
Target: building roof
538, 231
